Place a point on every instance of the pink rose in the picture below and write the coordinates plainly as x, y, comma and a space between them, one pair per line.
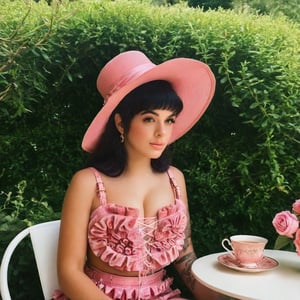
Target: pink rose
296, 206
297, 241
285, 223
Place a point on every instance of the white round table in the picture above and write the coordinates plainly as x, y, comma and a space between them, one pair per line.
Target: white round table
280, 283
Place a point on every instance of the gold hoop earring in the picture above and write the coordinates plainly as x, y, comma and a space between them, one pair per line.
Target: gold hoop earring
122, 138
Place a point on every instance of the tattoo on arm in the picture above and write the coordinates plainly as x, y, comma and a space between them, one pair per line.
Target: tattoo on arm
187, 238
187, 260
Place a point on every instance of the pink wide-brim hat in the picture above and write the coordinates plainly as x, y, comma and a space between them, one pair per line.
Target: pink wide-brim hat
192, 80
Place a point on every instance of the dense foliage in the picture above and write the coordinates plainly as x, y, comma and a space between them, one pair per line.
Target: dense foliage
210, 4
241, 160
288, 8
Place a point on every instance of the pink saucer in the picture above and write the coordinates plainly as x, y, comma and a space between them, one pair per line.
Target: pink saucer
267, 263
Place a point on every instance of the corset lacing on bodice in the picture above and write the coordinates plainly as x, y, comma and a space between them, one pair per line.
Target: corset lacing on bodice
123, 240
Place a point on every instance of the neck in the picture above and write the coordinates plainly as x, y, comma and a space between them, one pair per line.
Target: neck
140, 167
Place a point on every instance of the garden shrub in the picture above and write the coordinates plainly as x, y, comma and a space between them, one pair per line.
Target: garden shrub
211, 4
288, 8
241, 160
16, 213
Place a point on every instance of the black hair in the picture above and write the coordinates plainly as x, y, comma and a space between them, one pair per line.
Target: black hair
109, 156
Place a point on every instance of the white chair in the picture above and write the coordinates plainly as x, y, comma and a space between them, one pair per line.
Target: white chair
44, 239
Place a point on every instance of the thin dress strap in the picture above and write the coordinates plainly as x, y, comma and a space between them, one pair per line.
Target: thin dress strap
100, 187
174, 184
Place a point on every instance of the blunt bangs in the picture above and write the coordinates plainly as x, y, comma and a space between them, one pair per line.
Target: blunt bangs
152, 95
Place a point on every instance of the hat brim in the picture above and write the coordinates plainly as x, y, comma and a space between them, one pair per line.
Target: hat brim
192, 80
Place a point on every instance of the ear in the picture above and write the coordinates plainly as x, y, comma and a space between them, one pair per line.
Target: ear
118, 123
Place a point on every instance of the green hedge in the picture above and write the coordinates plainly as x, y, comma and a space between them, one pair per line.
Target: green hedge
241, 160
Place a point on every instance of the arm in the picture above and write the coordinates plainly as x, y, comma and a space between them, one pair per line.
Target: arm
183, 266
187, 256
72, 245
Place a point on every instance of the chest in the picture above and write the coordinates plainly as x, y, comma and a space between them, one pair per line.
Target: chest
148, 197
120, 226
123, 240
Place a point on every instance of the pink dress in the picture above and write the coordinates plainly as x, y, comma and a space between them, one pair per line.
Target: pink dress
123, 240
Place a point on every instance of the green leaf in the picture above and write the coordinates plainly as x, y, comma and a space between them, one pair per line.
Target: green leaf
282, 241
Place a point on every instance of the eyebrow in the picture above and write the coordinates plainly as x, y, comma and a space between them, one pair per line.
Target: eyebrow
156, 114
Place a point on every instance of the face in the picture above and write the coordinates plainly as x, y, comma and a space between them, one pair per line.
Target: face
150, 133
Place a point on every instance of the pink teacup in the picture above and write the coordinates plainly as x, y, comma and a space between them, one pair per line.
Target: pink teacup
247, 249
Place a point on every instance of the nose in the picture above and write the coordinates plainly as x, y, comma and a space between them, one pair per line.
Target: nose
160, 130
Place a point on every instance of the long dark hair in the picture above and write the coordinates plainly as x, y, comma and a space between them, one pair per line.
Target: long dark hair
110, 156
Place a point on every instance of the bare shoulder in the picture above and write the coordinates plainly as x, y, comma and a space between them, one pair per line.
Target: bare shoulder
83, 184
180, 181
179, 177
84, 176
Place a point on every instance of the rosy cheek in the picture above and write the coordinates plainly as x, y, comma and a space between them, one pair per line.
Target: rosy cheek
137, 133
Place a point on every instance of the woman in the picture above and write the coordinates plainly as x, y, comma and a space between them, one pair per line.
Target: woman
125, 216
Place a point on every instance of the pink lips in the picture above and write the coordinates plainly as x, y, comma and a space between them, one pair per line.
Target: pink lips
157, 146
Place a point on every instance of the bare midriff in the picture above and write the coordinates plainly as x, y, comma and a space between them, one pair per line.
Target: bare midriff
94, 262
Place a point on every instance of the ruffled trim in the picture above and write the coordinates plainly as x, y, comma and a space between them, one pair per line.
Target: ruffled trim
114, 237
168, 238
119, 238
162, 291
155, 286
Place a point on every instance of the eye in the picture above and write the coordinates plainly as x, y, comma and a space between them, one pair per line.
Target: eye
171, 120
148, 119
